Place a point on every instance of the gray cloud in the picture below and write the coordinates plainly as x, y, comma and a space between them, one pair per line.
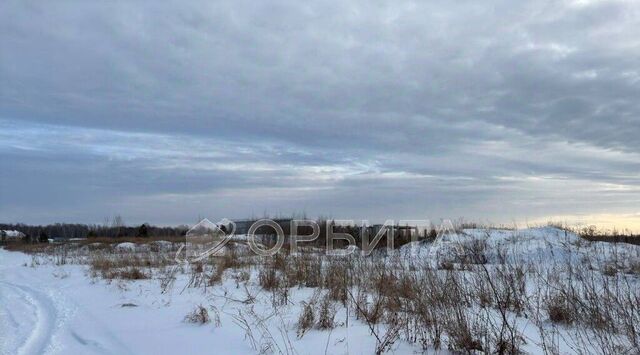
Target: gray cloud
489, 110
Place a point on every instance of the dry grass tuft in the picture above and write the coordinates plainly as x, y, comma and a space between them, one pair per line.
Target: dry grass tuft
199, 315
559, 309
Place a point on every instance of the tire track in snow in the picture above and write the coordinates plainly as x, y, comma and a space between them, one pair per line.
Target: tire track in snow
13, 319
45, 312
40, 315
50, 316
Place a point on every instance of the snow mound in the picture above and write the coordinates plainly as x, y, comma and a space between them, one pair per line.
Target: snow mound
161, 245
419, 250
126, 246
499, 245
530, 244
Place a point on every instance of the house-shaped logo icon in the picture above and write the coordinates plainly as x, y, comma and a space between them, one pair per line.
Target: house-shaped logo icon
207, 239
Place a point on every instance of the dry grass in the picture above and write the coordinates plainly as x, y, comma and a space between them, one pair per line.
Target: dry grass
131, 273
326, 314
269, 279
307, 319
199, 315
559, 309
467, 305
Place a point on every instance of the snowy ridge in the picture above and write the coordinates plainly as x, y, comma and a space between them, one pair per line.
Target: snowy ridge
545, 244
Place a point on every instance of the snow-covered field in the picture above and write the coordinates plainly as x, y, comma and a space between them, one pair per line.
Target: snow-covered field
73, 300
51, 309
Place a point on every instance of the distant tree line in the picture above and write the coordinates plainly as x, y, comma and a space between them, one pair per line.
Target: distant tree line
592, 233
41, 233
116, 228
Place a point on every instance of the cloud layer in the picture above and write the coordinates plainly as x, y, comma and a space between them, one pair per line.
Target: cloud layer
162, 112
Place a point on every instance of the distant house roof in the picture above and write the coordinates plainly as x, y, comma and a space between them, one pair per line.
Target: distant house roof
12, 234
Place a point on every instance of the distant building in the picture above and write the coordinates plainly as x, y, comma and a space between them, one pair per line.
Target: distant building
6, 235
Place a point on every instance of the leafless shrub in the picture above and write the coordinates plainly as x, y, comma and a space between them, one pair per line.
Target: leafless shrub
216, 275
464, 332
306, 320
370, 311
446, 265
35, 261
111, 265
280, 295
602, 308
391, 335
474, 252
216, 316
268, 278
610, 270
427, 308
559, 309
199, 315
259, 334
167, 278
231, 259
132, 273
197, 276
280, 261
240, 277
60, 255
510, 287
326, 314
304, 270
336, 280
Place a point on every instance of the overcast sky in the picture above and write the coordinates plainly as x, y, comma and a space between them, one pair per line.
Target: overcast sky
499, 111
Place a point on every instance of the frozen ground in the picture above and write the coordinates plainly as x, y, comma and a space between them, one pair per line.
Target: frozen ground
48, 309
62, 309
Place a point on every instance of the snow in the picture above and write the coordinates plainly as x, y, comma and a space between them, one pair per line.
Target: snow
12, 234
126, 246
163, 244
49, 309
41, 313
530, 244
